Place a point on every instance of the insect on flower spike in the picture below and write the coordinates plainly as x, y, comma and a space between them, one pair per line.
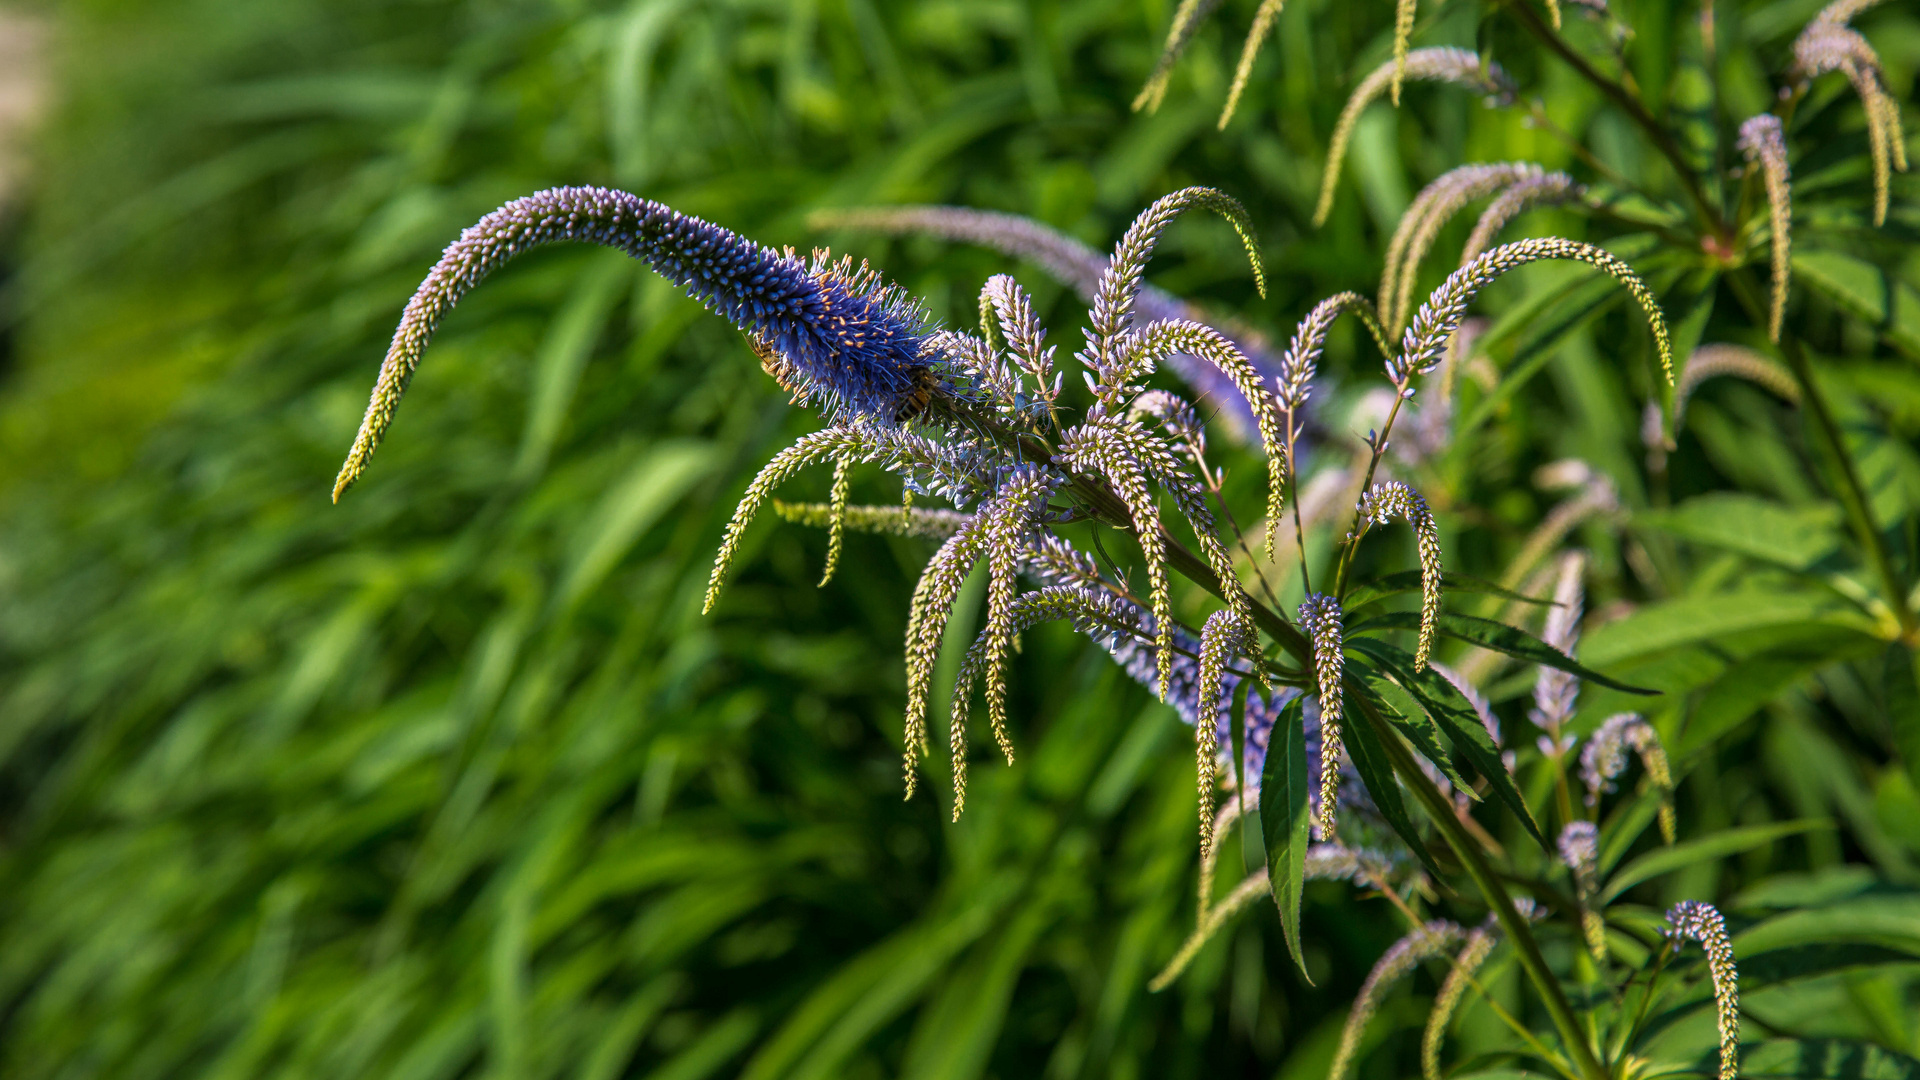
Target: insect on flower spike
1765, 145
1458, 66
1433, 325
848, 345
1693, 920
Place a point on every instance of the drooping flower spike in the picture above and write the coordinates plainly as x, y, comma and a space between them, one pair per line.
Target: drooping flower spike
1263, 20
1829, 44
1228, 633
1579, 846
1420, 226
1466, 964
1605, 757
1555, 691
1426, 337
1433, 939
1186, 19
1765, 145
1713, 360
1458, 66
848, 342
1547, 189
1694, 920
1322, 619
1393, 499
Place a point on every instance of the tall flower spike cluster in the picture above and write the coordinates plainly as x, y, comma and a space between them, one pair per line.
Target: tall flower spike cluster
845, 340
1579, 845
1394, 499
1420, 226
1321, 618
1432, 939
1466, 964
1765, 145
1458, 66
1605, 757
1694, 920
1426, 337
1829, 44
1081, 267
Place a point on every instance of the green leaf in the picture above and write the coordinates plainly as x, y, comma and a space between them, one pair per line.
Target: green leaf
1455, 715
1819, 1059
1884, 920
1409, 581
1286, 798
1900, 687
1686, 620
1742, 690
1501, 638
1867, 292
1716, 846
1794, 537
1370, 760
1409, 716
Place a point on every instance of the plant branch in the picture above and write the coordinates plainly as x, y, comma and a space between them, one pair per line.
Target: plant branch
1440, 809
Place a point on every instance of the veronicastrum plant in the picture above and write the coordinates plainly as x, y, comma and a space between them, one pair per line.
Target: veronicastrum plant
1325, 729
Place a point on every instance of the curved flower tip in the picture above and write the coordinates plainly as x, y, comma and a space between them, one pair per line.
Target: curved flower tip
1764, 143
834, 335
1394, 499
1694, 920
1430, 940
1462, 67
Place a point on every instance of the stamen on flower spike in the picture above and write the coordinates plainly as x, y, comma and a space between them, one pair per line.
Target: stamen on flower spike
845, 343
1764, 143
1426, 337
1321, 618
1459, 66
1466, 964
1694, 920
1427, 941
1394, 499
1420, 226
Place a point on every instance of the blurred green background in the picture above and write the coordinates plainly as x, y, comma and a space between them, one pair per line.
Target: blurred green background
453, 779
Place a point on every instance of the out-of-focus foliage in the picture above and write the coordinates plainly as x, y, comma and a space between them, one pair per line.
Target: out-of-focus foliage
454, 778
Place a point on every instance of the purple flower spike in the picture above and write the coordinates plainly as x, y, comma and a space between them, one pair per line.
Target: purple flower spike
834, 337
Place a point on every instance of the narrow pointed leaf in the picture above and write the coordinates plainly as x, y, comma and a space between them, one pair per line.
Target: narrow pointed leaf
1717, 846
1409, 717
1370, 759
1454, 714
1500, 638
1286, 797
1409, 581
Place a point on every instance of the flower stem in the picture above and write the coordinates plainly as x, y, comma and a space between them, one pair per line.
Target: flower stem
1852, 493
1532, 961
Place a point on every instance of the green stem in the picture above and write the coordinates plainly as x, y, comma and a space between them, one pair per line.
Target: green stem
1852, 493
1373, 466
1532, 961
1636, 111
